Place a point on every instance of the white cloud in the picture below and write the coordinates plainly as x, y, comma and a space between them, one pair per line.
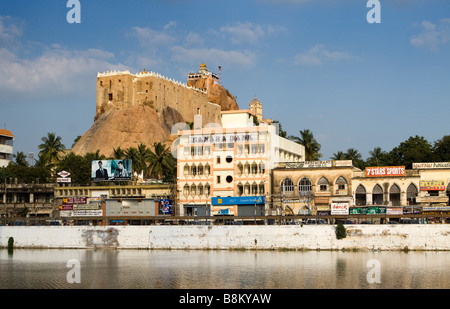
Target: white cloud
240, 33
56, 72
432, 36
152, 39
318, 55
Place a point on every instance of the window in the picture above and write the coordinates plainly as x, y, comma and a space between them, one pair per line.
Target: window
229, 178
341, 183
304, 186
229, 159
110, 96
218, 160
287, 185
218, 179
323, 184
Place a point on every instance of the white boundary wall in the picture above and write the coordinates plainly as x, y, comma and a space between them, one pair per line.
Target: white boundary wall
307, 237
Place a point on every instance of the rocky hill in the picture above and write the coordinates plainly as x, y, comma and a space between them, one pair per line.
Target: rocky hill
128, 125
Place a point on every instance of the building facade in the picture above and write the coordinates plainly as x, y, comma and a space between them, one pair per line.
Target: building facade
225, 170
337, 188
6, 147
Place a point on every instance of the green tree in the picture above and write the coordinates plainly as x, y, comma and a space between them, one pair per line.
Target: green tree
51, 149
338, 156
142, 157
312, 147
78, 166
21, 159
377, 157
162, 163
441, 149
414, 149
118, 153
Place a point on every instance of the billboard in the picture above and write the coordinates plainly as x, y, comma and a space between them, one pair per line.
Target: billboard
432, 185
339, 208
166, 207
238, 200
111, 170
382, 171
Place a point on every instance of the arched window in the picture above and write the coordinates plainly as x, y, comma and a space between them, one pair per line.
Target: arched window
377, 195
411, 194
287, 185
186, 190
394, 195
323, 184
341, 183
304, 186
360, 196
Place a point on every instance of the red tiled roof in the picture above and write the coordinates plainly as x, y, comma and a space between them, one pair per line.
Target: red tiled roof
6, 133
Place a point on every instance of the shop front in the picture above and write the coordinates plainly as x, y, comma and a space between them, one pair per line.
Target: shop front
242, 206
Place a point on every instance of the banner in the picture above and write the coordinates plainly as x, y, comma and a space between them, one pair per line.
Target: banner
165, 207
339, 208
432, 185
238, 200
385, 171
111, 170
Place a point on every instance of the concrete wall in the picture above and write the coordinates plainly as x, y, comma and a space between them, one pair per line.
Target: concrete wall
365, 237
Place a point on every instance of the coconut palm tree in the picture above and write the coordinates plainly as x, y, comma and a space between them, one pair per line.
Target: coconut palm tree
377, 156
161, 161
51, 149
338, 156
141, 158
312, 147
118, 153
21, 159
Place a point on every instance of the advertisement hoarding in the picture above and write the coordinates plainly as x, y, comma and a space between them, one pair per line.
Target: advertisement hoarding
238, 200
385, 171
339, 208
432, 185
111, 170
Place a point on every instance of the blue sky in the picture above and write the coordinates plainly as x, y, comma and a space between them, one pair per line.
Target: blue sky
314, 64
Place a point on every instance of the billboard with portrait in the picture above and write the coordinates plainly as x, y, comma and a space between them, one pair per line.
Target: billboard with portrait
111, 170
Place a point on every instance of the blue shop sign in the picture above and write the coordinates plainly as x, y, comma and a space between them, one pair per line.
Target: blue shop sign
238, 200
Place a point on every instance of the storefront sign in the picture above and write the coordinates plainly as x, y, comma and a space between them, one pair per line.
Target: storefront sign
65, 207
223, 138
385, 171
339, 208
431, 165
74, 200
87, 213
320, 164
369, 210
238, 200
394, 211
432, 185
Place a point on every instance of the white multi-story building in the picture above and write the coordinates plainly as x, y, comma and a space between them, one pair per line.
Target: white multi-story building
225, 169
6, 147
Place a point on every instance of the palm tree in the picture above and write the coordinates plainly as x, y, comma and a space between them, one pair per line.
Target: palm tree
353, 154
376, 156
338, 156
118, 154
312, 147
21, 159
142, 156
51, 149
161, 161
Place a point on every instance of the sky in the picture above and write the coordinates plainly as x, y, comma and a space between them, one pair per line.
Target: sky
314, 64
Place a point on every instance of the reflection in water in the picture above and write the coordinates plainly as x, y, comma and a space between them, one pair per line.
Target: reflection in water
138, 269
